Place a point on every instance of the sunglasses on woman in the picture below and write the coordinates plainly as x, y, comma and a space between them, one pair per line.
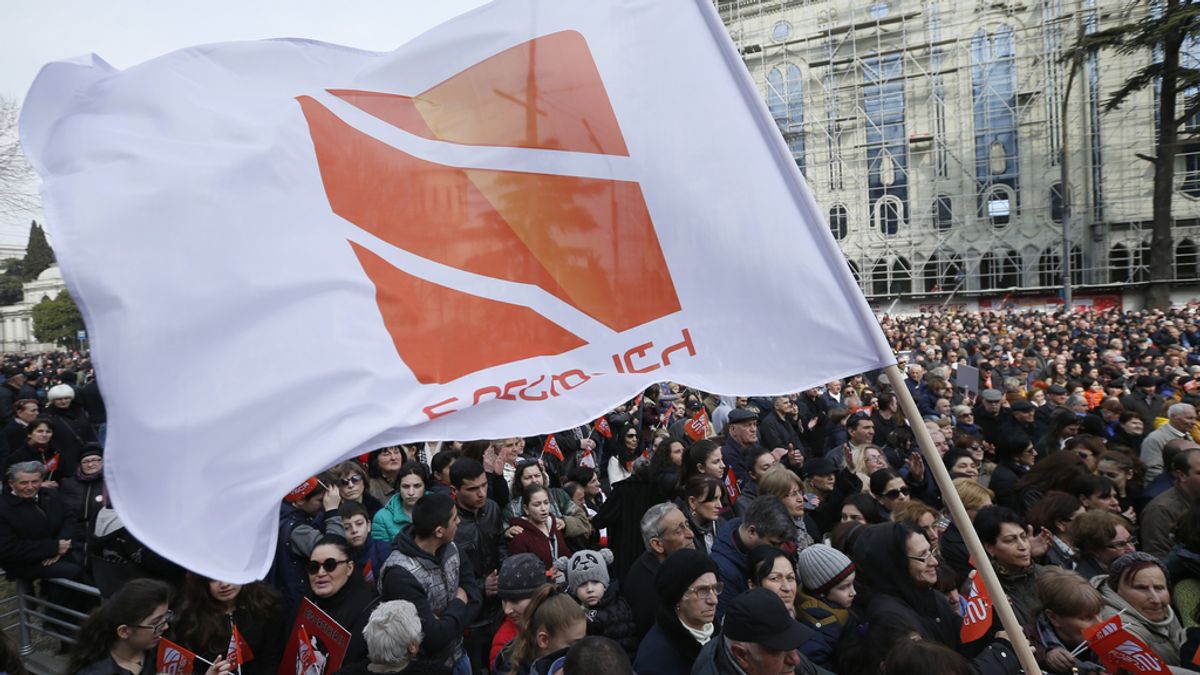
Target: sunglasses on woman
350, 481
894, 494
329, 565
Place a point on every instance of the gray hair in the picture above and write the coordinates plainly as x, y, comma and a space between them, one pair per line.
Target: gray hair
652, 521
1179, 409
393, 627
1076, 399
769, 517
25, 467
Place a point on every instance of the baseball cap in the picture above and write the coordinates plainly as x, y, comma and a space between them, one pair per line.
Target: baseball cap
759, 616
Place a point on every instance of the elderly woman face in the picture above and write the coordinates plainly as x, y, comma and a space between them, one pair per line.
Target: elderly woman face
1146, 591
922, 563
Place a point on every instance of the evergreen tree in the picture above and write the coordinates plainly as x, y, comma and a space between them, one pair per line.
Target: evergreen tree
57, 320
38, 254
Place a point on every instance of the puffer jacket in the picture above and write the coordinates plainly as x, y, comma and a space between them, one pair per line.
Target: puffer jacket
389, 520
828, 622
612, 618
1164, 637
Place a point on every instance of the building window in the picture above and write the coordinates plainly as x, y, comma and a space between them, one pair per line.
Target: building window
888, 215
887, 145
854, 272
994, 96
1185, 260
782, 31
1050, 267
879, 278
943, 272
943, 213
998, 206
901, 277
1119, 265
838, 222
999, 270
1056, 203
785, 100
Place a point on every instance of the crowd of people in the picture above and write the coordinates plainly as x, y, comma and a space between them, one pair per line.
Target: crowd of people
686, 531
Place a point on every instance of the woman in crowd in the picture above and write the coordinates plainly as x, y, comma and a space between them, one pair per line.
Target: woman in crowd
1069, 604
1054, 513
540, 533
620, 465
768, 567
1089, 448
703, 458
665, 463
122, 636
861, 508
529, 474
1051, 473
1063, 425
867, 460
352, 486
520, 577
1126, 474
758, 461
383, 466
1136, 587
951, 546
593, 492
701, 503
889, 489
552, 622
783, 483
209, 610
687, 588
1015, 456
38, 448
923, 516
903, 601
1005, 537
412, 483
1095, 492
1130, 431
83, 494
338, 589
961, 464
1100, 537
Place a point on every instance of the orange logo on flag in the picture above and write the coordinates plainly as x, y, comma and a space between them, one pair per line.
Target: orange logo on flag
589, 242
977, 616
697, 427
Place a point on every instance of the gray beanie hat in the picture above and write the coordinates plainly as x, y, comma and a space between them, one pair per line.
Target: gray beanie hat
822, 567
520, 577
585, 566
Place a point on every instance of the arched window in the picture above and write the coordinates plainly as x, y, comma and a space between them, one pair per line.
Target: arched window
943, 213
1056, 203
1185, 260
998, 206
854, 272
943, 272
879, 278
1049, 268
839, 221
1141, 263
901, 277
1119, 265
785, 100
994, 96
887, 143
999, 270
888, 215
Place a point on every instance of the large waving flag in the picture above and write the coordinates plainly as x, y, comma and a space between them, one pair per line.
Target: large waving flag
290, 252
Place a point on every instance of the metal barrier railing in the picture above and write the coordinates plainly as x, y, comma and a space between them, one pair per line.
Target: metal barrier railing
35, 614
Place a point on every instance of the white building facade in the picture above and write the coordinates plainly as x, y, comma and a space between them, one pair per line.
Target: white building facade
16, 321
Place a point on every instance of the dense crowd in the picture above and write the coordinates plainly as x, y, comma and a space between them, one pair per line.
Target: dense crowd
688, 532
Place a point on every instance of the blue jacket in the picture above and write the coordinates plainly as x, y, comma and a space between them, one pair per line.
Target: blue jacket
827, 623
730, 557
373, 553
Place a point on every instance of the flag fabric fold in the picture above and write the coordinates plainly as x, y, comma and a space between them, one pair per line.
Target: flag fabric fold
288, 252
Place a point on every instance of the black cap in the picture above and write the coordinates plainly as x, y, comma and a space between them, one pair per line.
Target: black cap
1147, 381
1057, 390
741, 415
1021, 405
821, 466
759, 616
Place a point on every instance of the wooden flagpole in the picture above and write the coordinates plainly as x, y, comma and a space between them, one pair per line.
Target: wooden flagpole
958, 513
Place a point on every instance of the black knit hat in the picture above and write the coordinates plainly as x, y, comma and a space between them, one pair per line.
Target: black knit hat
520, 577
679, 571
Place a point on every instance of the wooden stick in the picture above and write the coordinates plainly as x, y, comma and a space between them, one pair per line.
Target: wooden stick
958, 513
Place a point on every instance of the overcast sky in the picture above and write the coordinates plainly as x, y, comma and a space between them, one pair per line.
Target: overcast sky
127, 32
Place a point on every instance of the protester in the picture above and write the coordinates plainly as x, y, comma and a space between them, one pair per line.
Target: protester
759, 638
307, 513
210, 610
540, 533
687, 589
393, 637
767, 523
383, 465
553, 622
1136, 588
825, 601
701, 501
411, 484
36, 536
608, 614
1100, 537
352, 486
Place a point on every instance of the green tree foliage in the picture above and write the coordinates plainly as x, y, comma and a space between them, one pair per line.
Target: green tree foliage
1158, 32
10, 290
38, 254
57, 320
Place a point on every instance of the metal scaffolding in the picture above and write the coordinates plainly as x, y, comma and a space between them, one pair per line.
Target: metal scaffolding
933, 133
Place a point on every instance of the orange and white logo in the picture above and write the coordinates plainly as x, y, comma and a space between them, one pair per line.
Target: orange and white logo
587, 241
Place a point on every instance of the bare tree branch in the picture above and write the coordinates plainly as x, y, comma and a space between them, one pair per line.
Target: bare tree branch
18, 196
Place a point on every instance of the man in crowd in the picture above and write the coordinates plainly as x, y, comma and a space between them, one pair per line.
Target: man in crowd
741, 431
1144, 400
861, 431
759, 637
664, 530
766, 523
35, 537
308, 512
1161, 516
478, 540
1180, 419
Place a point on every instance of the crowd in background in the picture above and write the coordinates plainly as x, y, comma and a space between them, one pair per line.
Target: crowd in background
691, 532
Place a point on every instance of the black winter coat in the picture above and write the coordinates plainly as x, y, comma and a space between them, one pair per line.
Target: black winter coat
351, 607
639, 591
30, 530
668, 649
612, 618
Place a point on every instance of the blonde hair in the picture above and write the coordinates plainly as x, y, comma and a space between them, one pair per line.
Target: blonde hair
1067, 594
779, 481
551, 610
973, 495
911, 511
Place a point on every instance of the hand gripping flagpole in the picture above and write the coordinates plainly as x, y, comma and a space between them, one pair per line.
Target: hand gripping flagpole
958, 513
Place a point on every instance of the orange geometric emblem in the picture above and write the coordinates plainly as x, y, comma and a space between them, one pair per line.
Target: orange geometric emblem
588, 241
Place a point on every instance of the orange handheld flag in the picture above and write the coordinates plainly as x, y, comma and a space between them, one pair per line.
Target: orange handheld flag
551, 446
1118, 649
977, 615
731, 486
239, 651
603, 428
697, 427
173, 659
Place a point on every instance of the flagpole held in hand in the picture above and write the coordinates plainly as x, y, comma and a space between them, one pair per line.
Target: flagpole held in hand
958, 513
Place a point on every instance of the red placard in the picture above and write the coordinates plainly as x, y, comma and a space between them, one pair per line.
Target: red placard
317, 644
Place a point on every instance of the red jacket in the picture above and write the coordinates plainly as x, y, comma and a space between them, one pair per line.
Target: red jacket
531, 540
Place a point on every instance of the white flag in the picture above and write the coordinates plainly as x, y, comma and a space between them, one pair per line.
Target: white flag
290, 252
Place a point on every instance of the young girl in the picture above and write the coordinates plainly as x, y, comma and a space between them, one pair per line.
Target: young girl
552, 623
412, 482
540, 534
121, 637
608, 614
824, 601
209, 610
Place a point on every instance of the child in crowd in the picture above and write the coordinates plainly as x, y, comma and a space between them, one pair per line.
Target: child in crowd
823, 604
520, 577
608, 614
